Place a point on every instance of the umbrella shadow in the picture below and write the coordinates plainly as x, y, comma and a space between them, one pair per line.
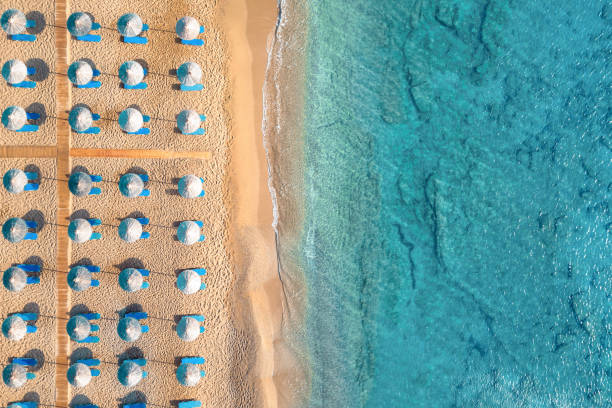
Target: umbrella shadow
79, 309
82, 262
40, 109
39, 356
79, 399
32, 308
173, 191
80, 214
136, 169
133, 398
82, 353
29, 397
40, 20
89, 61
79, 168
130, 354
133, 214
131, 308
32, 168
130, 263
36, 216
42, 69
34, 260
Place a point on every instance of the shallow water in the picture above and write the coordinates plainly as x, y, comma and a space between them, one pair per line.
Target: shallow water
457, 185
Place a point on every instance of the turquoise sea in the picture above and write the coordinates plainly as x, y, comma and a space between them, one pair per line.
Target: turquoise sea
457, 185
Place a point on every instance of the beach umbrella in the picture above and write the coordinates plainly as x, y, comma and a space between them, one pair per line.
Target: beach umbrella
80, 183
190, 186
15, 279
188, 374
14, 375
13, 21
79, 375
130, 120
129, 25
129, 329
14, 229
187, 28
188, 328
79, 230
131, 73
14, 117
79, 278
188, 232
80, 72
188, 121
130, 230
189, 74
14, 328
129, 373
14, 71
80, 118
130, 280
131, 185
189, 282
78, 328
79, 23
15, 181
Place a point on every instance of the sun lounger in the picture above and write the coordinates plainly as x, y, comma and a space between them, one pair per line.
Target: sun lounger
26, 362
189, 404
138, 39
142, 85
85, 406
135, 405
29, 267
23, 404
137, 315
140, 361
22, 37
90, 362
90, 37
192, 360
28, 317
196, 87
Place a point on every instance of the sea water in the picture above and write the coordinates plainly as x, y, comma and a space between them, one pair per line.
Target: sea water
456, 187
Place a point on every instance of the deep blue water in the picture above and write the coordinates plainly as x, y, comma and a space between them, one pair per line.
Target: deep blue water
458, 182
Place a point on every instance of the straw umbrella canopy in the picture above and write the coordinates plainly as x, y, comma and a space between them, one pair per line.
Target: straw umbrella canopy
131, 185
79, 23
130, 120
80, 118
130, 280
80, 230
79, 375
80, 72
129, 373
188, 232
14, 71
14, 117
14, 230
80, 183
14, 375
130, 230
78, 328
15, 181
190, 186
129, 329
188, 328
129, 25
188, 374
188, 121
189, 74
131, 73
14, 328
13, 21
79, 278
15, 279
187, 28
189, 282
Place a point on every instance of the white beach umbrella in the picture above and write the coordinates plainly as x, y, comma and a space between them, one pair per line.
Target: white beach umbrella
78, 328
80, 183
80, 230
79, 278
80, 72
187, 28
190, 186
14, 328
129, 374
14, 375
188, 232
189, 74
15, 279
131, 185
15, 181
13, 21
79, 24
189, 282
131, 120
130, 230
130, 280
80, 118
79, 375
129, 25
14, 229
14, 71
129, 329
188, 374
131, 73
14, 117
188, 328
188, 121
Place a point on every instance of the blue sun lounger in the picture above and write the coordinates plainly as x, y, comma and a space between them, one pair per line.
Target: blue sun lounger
85, 406
23, 404
135, 405
92, 130
196, 87
31, 176
190, 404
32, 268
26, 362
140, 315
93, 269
142, 131
92, 83
90, 37
91, 362
94, 222
196, 41
138, 39
193, 360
